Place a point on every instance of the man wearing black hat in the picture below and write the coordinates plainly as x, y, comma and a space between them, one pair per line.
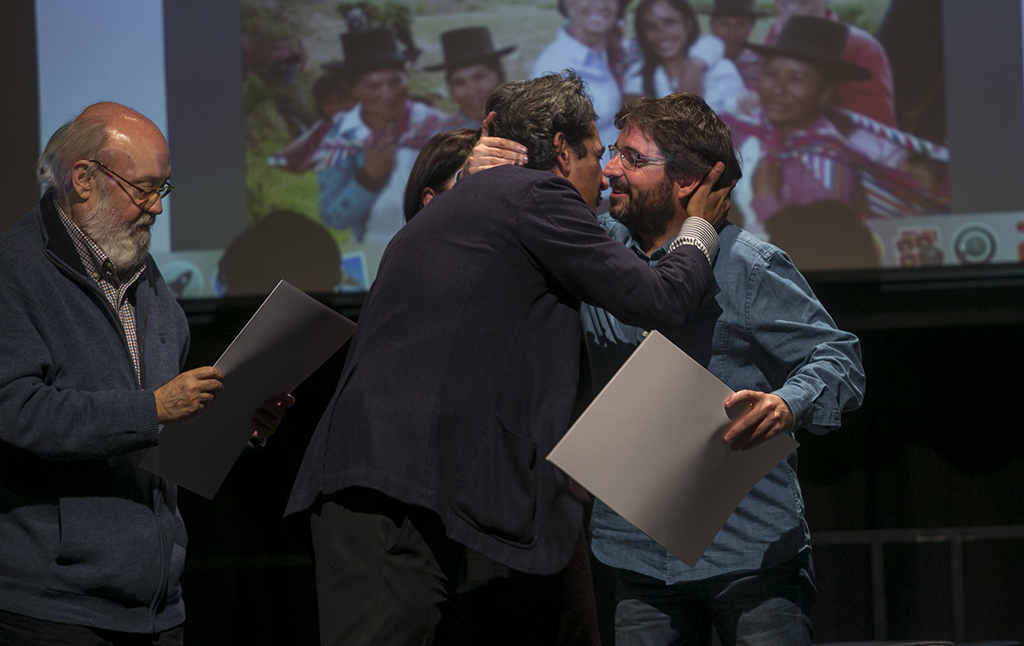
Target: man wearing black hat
873, 96
796, 154
473, 70
364, 161
732, 21
802, 149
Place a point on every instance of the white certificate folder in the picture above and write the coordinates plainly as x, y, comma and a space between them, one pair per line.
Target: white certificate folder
284, 342
650, 447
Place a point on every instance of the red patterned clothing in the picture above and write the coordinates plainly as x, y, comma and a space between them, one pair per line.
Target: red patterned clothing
873, 97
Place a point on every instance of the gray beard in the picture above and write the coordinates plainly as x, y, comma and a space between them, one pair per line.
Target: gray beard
647, 214
125, 243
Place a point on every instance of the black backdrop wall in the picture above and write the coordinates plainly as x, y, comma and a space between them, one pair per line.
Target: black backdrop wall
938, 444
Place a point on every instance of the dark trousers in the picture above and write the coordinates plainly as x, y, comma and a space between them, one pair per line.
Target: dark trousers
386, 574
770, 607
19, 630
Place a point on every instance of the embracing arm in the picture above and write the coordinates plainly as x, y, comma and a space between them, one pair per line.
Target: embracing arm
563, 236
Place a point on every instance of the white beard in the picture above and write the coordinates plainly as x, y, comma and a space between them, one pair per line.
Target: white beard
125, 243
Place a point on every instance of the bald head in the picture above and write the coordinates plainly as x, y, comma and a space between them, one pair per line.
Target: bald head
109, 132
122, 122
103, 168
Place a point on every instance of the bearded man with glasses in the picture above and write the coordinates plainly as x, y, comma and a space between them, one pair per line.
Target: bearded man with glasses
766, 336
91, 547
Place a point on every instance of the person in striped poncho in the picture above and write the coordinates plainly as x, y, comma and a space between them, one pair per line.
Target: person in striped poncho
798, 150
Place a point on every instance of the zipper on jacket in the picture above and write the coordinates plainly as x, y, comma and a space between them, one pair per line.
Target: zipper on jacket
110, 308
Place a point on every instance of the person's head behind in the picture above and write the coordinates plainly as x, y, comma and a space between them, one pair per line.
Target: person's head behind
688, 133
435, 167
107, 168
282, 245
665, 29
826, 235
564, 8
553, 117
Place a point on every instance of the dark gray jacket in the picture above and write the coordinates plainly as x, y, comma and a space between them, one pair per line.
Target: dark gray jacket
85, 536
463, 372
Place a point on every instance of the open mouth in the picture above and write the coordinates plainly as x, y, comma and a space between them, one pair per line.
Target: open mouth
618, 190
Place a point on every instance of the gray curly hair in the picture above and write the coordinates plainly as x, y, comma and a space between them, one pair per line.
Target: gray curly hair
531, 112
81, 138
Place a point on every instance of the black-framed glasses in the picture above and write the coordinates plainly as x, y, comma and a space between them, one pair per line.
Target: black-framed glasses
632, 160
145, 194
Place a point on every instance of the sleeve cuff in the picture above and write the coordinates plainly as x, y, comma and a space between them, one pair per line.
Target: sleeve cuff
698, 233
146, 423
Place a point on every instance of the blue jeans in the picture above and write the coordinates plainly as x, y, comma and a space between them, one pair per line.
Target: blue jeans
770, 607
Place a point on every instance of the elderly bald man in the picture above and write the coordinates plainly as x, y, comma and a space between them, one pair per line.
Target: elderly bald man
93, 345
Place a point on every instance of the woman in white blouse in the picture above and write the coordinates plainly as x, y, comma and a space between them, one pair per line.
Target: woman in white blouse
676, 58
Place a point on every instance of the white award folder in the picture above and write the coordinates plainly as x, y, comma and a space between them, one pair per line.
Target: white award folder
284, 342
650, 447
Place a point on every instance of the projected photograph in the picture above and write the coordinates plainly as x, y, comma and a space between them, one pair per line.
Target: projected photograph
833, 131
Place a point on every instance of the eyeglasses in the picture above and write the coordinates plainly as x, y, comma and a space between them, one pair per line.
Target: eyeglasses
145, 195
633, 160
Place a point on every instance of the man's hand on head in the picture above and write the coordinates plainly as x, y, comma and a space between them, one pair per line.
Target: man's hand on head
266, 419
187, 395
709, 203
493, 151
766, 415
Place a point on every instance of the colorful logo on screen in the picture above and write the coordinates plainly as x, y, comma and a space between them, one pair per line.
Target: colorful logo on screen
975, 244
918, 248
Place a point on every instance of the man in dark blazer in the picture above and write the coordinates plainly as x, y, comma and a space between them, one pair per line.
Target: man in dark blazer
435, 517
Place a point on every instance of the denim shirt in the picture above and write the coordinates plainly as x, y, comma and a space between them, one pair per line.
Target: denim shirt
766, 331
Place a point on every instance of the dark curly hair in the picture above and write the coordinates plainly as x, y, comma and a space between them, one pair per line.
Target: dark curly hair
531, 112
687, 132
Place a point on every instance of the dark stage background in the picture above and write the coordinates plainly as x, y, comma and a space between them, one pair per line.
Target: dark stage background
937, 444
